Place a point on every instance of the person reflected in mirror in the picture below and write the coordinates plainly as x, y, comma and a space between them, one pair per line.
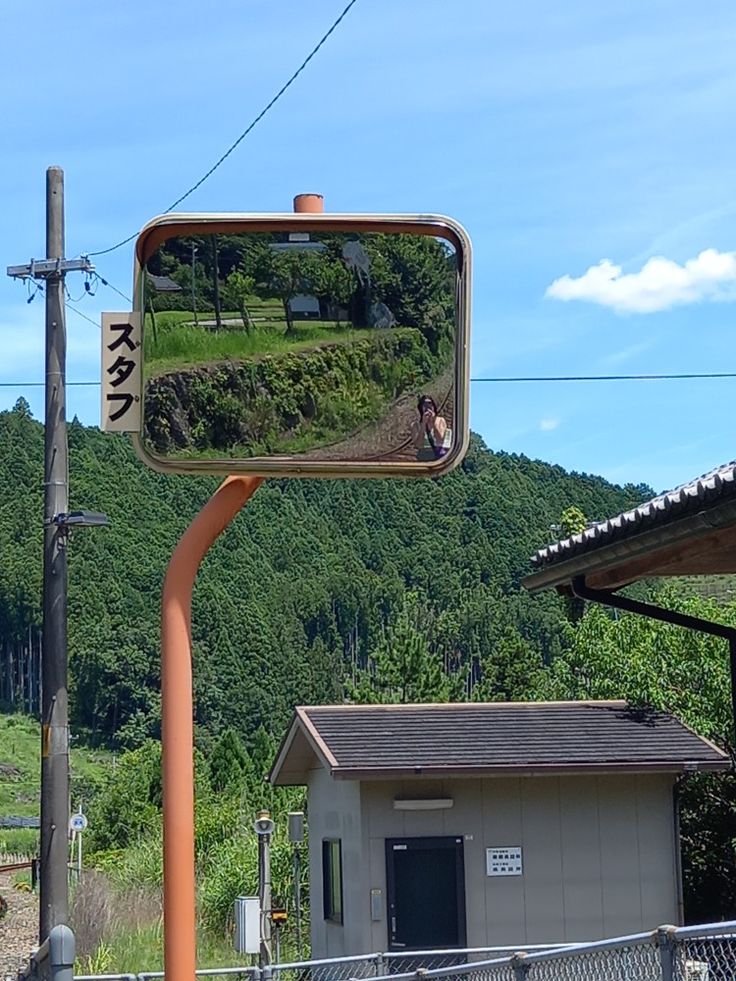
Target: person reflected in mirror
431, 435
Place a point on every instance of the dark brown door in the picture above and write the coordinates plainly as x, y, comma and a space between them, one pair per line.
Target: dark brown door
425, 880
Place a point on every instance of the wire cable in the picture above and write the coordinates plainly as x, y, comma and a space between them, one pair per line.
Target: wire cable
30, 384
107, 283
597, 378
74, 299
83, 316
246, 131
538, 378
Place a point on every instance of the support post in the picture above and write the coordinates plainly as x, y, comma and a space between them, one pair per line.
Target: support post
177, 722
194, 290
664, 938
216, 282
732, 659
519, 966
54, 888
298, 898
61, 954
264, 898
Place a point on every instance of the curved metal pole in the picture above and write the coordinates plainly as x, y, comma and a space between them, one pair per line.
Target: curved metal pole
177, 722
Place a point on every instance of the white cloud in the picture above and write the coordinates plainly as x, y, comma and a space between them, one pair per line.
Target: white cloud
547, 425
659, 285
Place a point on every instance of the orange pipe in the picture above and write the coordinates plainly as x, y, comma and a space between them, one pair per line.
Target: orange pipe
177, 723
313, 204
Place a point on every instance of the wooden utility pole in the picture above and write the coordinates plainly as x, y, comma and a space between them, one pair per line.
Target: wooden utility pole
54, 888
194, 287
216, 282
54, 841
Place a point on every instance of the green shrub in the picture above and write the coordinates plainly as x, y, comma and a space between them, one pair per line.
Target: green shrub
288, 401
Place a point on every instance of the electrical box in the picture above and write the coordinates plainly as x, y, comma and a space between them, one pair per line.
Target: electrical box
296, 827
247, 925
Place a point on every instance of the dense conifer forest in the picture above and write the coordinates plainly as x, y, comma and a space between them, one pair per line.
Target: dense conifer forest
293, 602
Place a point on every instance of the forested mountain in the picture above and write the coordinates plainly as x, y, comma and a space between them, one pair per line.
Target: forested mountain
322, 590
293, 601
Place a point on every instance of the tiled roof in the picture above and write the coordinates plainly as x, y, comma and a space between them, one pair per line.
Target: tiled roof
164, 284
498, 737
688, 499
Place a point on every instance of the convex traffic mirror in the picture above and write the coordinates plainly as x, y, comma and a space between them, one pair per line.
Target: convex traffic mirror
299, 344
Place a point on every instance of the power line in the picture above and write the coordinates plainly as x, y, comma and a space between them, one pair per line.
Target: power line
245, 132
597, 378
111, 286
40, 384
84, 317
537, 378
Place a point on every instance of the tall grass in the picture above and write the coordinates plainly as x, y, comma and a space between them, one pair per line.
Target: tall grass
137, 951
179, 343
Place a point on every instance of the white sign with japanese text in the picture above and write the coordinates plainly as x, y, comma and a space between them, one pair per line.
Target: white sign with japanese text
504, 861
121, 372
78, 823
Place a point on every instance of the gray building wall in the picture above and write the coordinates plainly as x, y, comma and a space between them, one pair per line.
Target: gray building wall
334, 812
600, 855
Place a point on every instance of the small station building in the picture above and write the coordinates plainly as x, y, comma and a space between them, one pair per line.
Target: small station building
474, 825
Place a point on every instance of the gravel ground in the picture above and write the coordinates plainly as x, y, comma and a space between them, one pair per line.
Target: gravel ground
390, 437
18, 929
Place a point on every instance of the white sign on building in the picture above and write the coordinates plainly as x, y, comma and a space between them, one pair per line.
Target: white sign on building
504, 861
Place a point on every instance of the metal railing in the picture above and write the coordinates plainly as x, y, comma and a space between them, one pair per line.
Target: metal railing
393, 963
699, 953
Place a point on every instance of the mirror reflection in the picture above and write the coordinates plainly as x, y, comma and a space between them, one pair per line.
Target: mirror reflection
308, 344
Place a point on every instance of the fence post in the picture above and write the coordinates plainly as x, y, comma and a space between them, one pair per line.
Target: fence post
266, 973
380, 965
665, 940
519, 966
61, 953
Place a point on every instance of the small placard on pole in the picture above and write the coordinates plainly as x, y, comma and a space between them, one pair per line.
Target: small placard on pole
122, 354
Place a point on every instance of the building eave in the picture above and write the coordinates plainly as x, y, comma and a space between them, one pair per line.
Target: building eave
699, 544
300, 725
528, 770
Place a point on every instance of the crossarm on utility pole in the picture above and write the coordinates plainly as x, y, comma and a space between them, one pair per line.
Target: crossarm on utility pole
177, 722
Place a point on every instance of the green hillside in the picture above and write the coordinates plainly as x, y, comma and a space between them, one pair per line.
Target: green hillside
20, 745
292, 601
378, 590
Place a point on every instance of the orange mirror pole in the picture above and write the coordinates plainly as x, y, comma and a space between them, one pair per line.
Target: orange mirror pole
177, 723
177, 707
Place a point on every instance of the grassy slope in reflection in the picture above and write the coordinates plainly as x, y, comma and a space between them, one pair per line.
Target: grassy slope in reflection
313, 348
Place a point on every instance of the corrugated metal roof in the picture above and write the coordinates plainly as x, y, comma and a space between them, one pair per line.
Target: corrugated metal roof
493, 736
687, 499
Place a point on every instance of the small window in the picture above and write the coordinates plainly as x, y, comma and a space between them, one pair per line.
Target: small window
332, 879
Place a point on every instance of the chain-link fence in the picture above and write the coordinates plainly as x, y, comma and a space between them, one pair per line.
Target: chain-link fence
701, 953
392, 963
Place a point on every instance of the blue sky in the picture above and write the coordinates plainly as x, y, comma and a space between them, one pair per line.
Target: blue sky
559, 135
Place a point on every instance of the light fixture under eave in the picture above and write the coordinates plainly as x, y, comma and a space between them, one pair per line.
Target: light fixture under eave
422, 803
